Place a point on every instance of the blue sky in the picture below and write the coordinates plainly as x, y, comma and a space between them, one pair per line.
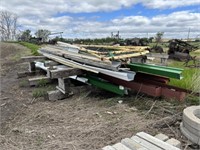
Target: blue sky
94, 18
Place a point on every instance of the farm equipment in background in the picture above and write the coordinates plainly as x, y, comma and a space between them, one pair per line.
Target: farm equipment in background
180, 50
176, 45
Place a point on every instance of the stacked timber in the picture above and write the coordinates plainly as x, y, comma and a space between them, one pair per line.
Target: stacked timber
108, 63
111, 68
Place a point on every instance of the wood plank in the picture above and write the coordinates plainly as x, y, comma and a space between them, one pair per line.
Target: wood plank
31, 67
60, 73
56, 50
64, 85
127, 55
37, 81
94, 63
32, 58
67, 62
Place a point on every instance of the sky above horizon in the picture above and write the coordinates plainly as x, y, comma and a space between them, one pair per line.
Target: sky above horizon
98, 18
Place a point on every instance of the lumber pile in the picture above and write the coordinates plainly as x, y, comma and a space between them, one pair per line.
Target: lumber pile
108, 67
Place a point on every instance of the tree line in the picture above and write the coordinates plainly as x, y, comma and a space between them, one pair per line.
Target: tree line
9, 26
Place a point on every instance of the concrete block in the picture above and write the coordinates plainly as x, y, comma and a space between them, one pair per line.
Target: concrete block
56, 95
174, 142
108, 148
120, 146
132, 144
162, 137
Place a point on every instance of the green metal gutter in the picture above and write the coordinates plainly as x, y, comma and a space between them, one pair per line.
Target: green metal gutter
105, 85
157, 70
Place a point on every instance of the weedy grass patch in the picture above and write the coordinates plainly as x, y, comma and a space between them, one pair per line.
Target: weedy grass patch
191, 77
32, 47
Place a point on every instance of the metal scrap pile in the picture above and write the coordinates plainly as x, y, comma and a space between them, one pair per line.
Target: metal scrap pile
111, 68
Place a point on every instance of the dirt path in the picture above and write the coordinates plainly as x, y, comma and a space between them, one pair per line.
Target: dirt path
86, 121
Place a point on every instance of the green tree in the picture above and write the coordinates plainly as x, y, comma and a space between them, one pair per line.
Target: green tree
159, 36
43, 34
26, 35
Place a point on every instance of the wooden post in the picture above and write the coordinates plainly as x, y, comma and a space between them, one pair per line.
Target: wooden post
32, 67
63, 85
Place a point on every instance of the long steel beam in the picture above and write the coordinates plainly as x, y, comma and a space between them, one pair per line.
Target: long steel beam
157, 70
120, 90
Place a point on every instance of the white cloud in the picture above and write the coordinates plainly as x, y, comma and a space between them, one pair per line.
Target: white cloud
47, 14
165, 4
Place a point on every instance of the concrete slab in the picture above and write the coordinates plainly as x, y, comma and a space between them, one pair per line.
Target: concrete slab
174, 142
132, 144
108, 148
156, 141
162, 137
120, 146
145, 143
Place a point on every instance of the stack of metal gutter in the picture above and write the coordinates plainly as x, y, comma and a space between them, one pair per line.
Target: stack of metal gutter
108, 71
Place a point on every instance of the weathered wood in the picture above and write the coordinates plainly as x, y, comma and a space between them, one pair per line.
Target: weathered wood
32, 67
68, 62
64, 85
126, 55
56, 51
39, 81
94, 63
32, 58
24, 74
60, 73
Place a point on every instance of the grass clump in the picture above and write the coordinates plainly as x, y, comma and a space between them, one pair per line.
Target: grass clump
24, 83
41, 91
32, 47
42, 83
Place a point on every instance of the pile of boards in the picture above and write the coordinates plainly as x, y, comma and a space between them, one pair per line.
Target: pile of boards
111, 68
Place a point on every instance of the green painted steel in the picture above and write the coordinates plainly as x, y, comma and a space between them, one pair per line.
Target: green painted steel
170, 72
105, 85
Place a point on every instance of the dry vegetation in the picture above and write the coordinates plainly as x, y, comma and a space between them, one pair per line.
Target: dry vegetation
89, 120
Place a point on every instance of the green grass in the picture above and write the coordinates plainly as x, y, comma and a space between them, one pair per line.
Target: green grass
32, 47
41, 91
191, 77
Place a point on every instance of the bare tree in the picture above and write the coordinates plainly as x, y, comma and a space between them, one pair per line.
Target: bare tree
8, 25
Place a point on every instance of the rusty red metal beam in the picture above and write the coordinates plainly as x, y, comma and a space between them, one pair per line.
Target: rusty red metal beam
150, 89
